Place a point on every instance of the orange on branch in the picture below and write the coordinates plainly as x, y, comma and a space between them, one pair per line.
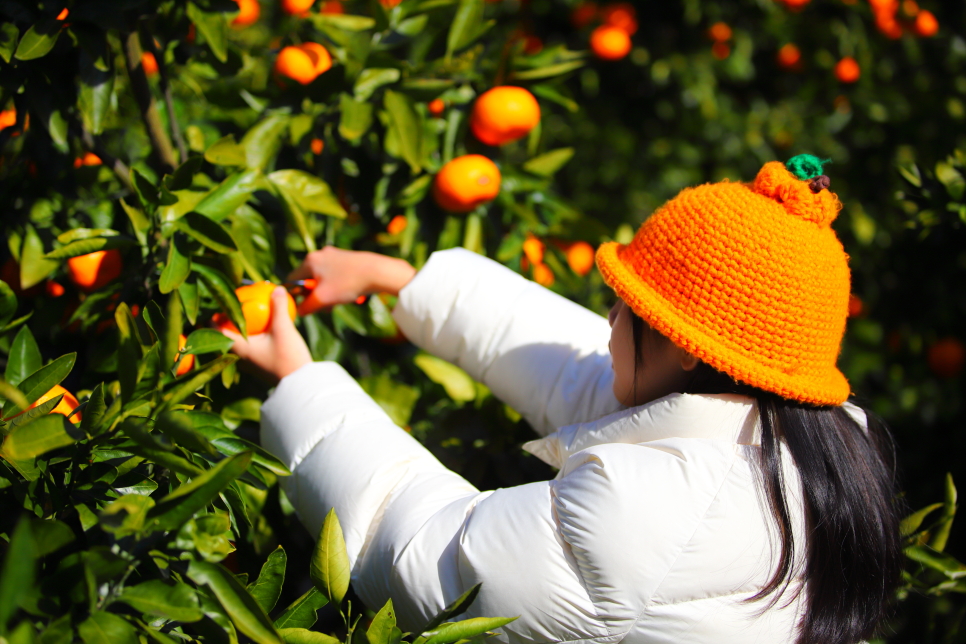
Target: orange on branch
720, 50
583, 14
580, 257
532, 45
542, 275
504, 114
926, 24
53, 289
321, 59
847, 70
436, 106
149, 63
720, 32
533, 248
248, 13
63, 14
296, 63
466, 182
297, 7
946, 357
93, 271
789, 56
317, 145
610, 43
66, 405
397, 225
331, 7
87, 159
621, 15
187, 361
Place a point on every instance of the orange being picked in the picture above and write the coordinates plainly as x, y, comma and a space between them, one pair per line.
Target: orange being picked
621, 15
66, 405
610, 43
504, 114
297, 7
256, 304
248, 13
93, 271
466, 182
847, 70
187, 362
580, 257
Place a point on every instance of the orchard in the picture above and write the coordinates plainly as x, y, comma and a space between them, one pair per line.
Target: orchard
165, 164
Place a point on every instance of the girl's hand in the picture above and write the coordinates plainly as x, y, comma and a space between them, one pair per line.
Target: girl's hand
344, 275
280, 350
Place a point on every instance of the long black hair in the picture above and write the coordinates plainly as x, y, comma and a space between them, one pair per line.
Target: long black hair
853, 552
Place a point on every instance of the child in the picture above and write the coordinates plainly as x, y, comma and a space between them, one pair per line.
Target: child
714, 484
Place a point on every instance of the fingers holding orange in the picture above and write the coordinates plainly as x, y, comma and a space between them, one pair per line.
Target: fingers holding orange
256, 305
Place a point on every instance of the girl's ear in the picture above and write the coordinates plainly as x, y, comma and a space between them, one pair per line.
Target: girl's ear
688, 361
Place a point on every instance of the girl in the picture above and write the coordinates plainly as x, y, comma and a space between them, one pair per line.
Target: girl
714, 484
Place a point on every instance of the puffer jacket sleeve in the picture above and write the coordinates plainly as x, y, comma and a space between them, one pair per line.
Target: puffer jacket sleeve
542, 354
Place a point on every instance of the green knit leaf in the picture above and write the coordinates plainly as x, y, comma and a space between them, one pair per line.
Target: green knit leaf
806, 166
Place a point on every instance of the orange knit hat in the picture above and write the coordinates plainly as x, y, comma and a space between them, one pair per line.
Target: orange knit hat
750, 278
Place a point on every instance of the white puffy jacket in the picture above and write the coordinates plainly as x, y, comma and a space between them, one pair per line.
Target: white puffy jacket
653, 530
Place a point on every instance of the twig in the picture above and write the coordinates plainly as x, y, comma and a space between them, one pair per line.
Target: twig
149, 109
168, 101
121, 171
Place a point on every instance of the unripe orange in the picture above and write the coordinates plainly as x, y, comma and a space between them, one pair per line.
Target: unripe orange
466, 182
610, 43
397, 225
66, 405
580, 257
533, 248
847, 70
504, 114
789, 56
248, 13
297, 7
187, 361
946, 357
436, 106
926, 24
621, 15
256, 304
149, 63
542, 275
93, 271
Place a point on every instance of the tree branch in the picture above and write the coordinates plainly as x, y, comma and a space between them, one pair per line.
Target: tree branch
169, 102
160, 142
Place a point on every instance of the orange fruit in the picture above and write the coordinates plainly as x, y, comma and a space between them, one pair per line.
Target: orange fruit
63, 14
946, 357
248, 13
583, 14
847, 70
910, 8
720, 50
389, 4
504, 114
542, 275
856, 306
187, 361
789, 56
89, 158
256, 303
720, 31
66, 405
436, 106
93, 271
317, 145
533, 248
621, 15
332, 7
610, 43
796, 5
53, 289
297, 7
397, 225
580, 257
926, 24
149, 63
8, 118
295, 63
466, 182
321, 59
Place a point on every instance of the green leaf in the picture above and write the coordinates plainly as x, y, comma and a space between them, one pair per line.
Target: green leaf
147, 192
457, 607
263, 141
178, 507
8, 302
94, 411
38, 41
190, 300
305, 636
355, 117
951, 178
41, 381
50, 535
302, 612
225, 151
912, 522
383, 626
40, 436
91, 245
11, 393
126, 516
207, 341
179, 429
468, 628
396, 399
345, 22
230, 194
19, 569
329, 568
406, 122
268, 587
221, 290
34, 267
940, 534
372, 79
244, 611
311, 193
200, 377
549, 71
178, 267
175, 601
8, 40
128, 352
208, 232
184, 174
94, 93
469, 15
546, 165
214, 27
936, 560
24, 357
454, 380
106, 628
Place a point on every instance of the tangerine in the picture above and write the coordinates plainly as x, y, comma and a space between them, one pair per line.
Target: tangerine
320, 56
295, 63
66, 405
532, 45
8, 118
63, 14
847, 70
789, 56
93, 271
88, 158
720, 32
621, 15
610, 43
332, 7
256, 304
149, 63
297, 7
389, 4
542, 275
580, 257
533, 248
466, 182
317, 145
248, 13
720, 50
946, 357
187, 361
504, 114
397, 225
583, 14
926, 24
53, 289
856, 305
436, 106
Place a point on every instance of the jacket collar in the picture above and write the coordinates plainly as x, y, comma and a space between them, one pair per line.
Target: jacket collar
720, 417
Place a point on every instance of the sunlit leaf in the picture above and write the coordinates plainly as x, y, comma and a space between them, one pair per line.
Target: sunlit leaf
329, 568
